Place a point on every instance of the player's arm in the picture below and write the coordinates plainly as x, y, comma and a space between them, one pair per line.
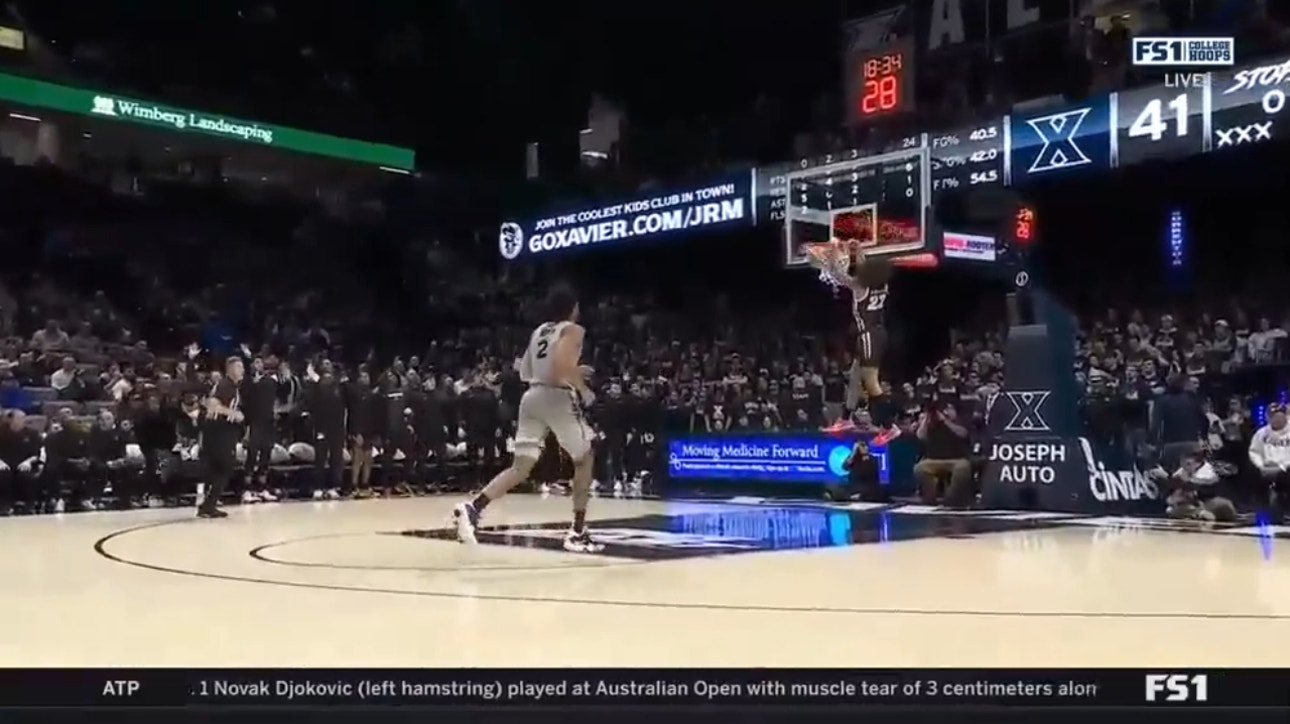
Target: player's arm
217, 406
852, 275
567, 350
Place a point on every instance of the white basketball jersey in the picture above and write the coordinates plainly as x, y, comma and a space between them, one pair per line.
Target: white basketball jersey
536, 364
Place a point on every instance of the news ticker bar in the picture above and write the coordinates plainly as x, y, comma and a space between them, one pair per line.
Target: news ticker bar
671, 687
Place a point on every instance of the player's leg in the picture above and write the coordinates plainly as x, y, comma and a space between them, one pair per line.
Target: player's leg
881, 407
530, 431
856, 386
863, 367
575, 437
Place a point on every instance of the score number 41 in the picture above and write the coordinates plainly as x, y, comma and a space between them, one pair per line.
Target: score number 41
1151, 121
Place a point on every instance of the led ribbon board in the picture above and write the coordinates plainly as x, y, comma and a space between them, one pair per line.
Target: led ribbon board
124, 109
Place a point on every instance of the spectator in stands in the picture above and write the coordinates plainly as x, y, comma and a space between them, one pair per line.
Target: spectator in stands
120, 387
13, 396
107, 454
51, 338
66, 475
947, 447
1270, 454
360, 416
325, 404
28, 371
430, 423
20, 465
64, 376
156, 431
1178, 422
1262, 343
258, 391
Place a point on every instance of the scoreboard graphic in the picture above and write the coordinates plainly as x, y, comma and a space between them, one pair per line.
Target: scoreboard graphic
1193, 113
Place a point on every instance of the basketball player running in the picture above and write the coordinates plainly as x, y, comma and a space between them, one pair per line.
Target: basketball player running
868, 279
553, 403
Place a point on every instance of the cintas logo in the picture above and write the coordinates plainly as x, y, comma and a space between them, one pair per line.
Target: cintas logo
1110, 486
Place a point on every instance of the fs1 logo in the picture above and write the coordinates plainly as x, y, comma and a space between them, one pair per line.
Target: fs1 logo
1177, 687
1172, 52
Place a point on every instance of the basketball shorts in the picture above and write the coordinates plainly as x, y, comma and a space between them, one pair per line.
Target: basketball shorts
871, 345
556, 410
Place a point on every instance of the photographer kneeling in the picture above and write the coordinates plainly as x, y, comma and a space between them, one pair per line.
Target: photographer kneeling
947, 447
1194, 492
862, 478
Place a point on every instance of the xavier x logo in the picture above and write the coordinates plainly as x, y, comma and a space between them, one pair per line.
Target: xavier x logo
1027, 411
1058, 132
1244, 134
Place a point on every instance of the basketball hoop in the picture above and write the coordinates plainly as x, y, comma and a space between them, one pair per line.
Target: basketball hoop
832, 258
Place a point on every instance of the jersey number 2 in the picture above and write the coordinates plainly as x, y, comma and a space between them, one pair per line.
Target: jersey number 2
544, 341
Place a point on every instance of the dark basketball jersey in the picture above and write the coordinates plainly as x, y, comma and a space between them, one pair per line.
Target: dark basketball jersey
220, 428
868, 307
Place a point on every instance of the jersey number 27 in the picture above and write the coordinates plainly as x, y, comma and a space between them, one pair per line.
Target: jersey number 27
876, 301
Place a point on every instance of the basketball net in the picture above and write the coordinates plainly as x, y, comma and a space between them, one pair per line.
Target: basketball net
831, 258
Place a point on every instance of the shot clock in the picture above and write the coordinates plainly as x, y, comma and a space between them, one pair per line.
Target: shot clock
881, 81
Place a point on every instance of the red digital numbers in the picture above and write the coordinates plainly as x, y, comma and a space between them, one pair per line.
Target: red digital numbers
880, 94
1023, 226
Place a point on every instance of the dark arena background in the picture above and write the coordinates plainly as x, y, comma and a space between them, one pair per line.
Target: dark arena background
1069, 495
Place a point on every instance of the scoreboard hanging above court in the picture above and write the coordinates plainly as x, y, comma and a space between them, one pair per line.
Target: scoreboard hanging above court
1190, 114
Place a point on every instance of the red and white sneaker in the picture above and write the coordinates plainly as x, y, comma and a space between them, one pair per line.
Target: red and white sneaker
886, 436
843, 425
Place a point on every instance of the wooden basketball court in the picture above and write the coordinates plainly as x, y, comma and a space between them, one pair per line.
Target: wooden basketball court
752, 583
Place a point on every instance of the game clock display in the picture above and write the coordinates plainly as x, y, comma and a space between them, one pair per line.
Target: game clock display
881, 82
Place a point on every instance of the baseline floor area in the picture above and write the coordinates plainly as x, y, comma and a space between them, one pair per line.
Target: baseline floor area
377, 583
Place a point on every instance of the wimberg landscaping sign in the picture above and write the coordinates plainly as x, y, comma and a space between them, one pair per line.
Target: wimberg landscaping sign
180, 120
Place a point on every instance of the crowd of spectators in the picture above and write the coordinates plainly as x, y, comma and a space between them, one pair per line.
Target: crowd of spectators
381, 361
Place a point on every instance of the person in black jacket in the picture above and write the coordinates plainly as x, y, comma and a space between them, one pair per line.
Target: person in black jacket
361, 411
106, 448
259, 392
416, 454
67, 463
1178, 422
20, 467
325, 404
155, 424
612, 417
394, 428
430, 415
221, 430
481, 418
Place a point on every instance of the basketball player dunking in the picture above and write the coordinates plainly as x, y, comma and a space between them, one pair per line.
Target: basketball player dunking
553, 403
868, 278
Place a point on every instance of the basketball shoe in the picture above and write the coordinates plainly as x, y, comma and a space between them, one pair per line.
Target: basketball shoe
581, 542
466, 520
